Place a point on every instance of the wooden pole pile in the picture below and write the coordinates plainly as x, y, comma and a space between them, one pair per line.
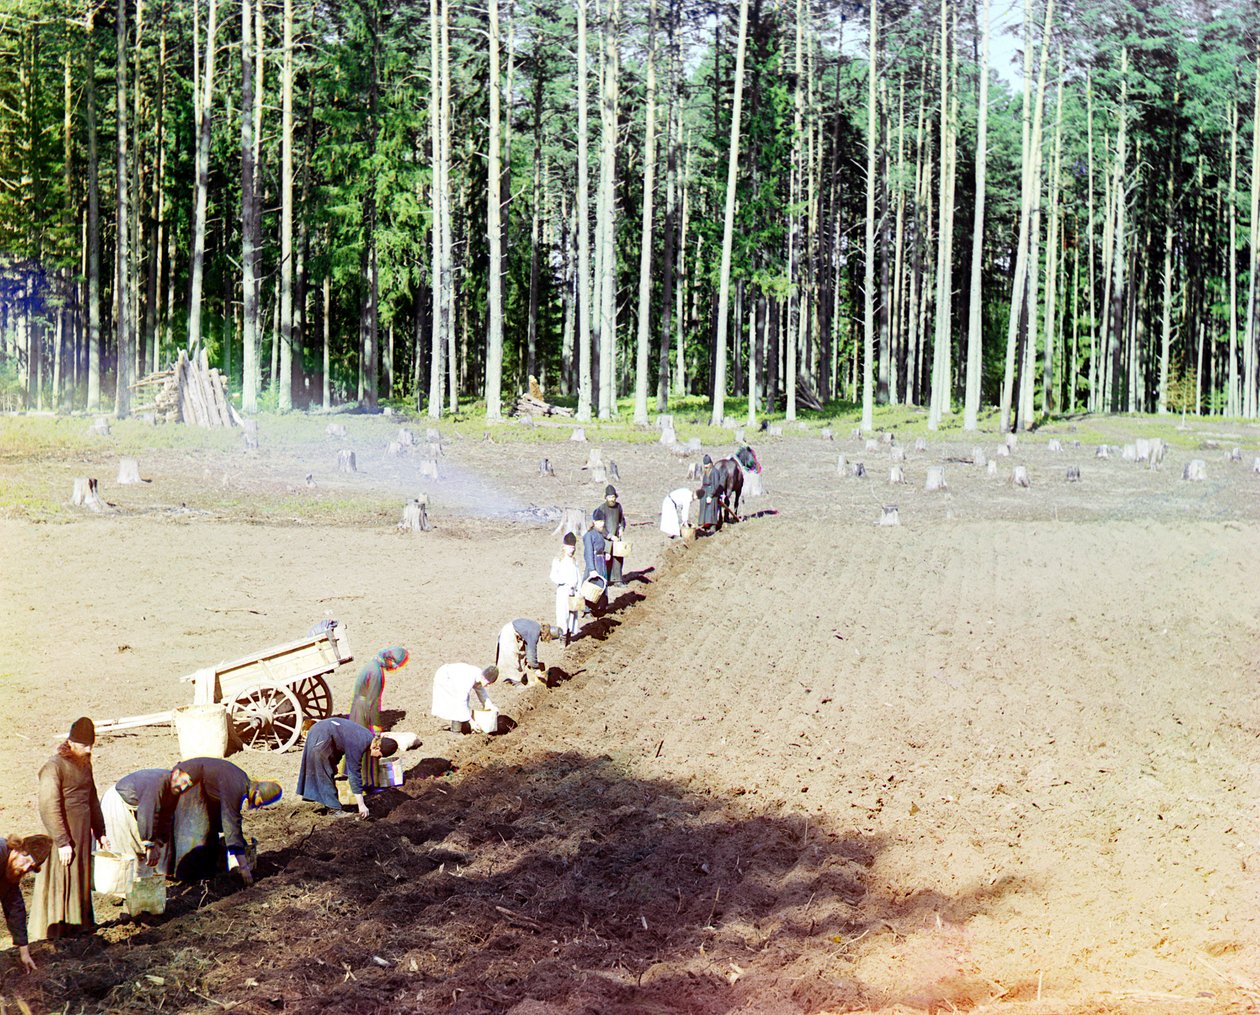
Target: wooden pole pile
189, 392
528, 405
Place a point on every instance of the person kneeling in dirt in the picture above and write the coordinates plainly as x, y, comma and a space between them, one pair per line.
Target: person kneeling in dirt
327, 742
210, 806
138, 811
518, 648
454, 687
19, 857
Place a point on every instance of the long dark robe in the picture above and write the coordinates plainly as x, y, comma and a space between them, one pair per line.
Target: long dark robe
71, 812
614, 528
208, 808
11, 899
327, 742
711, 499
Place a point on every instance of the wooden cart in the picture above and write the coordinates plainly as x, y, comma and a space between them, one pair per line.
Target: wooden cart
268, 694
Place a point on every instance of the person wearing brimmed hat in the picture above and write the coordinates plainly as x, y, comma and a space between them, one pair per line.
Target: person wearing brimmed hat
565, 577
595, 552
71, 812
18, 857
517, 650
327, 742
454, 687
210, 806
365, 702
709, 496
614, 528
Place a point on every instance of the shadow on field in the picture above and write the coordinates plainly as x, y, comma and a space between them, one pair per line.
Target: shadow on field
567, 882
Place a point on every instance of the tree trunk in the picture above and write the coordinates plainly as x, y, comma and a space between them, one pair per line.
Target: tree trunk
203, 97
608, 227
868, 354
122, 374
975, 317
1048, 401
249, 221
1118, 251
437, 189
535, 230
1251, 354
728, 228
645, 251
93, 224
1233, 402
583, 224
494, 231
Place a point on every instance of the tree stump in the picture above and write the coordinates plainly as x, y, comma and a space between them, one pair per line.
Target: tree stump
935, 479
1158, 449
1235, 455
594, 458
668, 436
435, 450
599, 476
310, 480
613, 471
872, 444
1195, 469
335, 430
920, 444
856, 432
545, 469
433, 435
416, 515
740, 436
406, 438
100, 426
429, 469
693, 445
578, 434
895, 475
730, 423
753, 485
346, 461
978, 457
991, 469
664, 422
1020, 478
571, 520
858, 470
888, 437
251, 440
1054, 446
1142, 449
775, 431
825, 433
896, 454
1129, 453
1011, 441
1255, 466
842, 465
694, 470
86, 495
1103, 451
394, 449
527, 422
889, 516
1073, 473
1003, 451
128, 472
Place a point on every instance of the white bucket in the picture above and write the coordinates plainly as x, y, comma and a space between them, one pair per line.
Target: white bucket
485, 720
112, 874
202, 730
147, 895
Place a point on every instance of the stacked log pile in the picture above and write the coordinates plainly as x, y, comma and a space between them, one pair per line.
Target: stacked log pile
188, 392
532, 403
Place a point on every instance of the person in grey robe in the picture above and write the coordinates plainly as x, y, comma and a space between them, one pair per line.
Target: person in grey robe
327, 742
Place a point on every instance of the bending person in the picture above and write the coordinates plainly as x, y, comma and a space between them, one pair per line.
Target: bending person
19, 857
327, 742
454, 687
139, 809
518, 647
210, 806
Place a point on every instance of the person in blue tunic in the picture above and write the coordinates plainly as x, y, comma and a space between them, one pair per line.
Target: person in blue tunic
210, 806
595, 552
327, 742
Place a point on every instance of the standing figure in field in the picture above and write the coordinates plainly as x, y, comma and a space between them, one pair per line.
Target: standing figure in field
614, 529
365, 703
710, 497
595, 553
565, 577
454, 687
517, 650
327, 742
212, 805
71, 812
19, 857
139, 809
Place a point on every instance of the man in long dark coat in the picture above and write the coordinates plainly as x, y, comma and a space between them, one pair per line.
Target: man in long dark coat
210, 806
19, 857
71, 812
614, 528
710, 497
327, 742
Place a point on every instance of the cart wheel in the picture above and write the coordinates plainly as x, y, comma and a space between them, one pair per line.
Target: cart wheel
315, 696
267, 718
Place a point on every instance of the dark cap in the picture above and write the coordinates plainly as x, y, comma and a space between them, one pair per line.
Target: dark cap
570, 539
388, 747
610, 491
706, 460
597, 515
83, 732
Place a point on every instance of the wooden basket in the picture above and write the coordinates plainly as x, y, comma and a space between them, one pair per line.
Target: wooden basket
621, 547
576, 602
593, 589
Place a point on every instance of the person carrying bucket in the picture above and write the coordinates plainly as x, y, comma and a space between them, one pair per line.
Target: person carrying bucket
614, 529
564, 575
595, 555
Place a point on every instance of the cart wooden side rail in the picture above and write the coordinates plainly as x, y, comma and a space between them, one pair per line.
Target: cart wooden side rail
269, 693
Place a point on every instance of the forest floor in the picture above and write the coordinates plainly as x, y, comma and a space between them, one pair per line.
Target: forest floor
1004, 757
